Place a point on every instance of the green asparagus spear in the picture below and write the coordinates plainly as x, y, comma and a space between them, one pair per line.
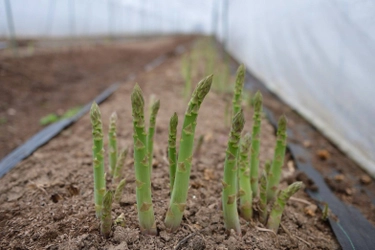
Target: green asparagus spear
245, 193
231, 219
237, 98
172, 156
255, 144
199, 145
106, 219
186, 73
119, 190
279, 205
179, 194
263, 197
325, 212
117, 173
278, 159
151, 131
98, 153
141, 163
112, 143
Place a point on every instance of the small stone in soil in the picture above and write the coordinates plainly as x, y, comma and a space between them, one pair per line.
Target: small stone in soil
306, 143
165, 236
197, 243
339, 177
365, 179
323, 154
310, 209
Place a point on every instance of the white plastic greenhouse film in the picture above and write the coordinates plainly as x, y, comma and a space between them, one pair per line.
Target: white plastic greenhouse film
319, 57
77, 18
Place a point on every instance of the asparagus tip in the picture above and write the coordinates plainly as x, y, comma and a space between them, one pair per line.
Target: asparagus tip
155, 106
94, 111
137, 96
113, 117
247, 139
174, 120
238, 121
294, 187
258, 99
204, 86
240, 76
282, 123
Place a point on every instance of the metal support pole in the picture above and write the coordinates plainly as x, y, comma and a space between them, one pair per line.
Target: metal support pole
51, 12
225, 22
11, 29
214, 17
72, 17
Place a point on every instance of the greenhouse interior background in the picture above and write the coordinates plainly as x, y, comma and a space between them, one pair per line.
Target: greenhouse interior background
318, 56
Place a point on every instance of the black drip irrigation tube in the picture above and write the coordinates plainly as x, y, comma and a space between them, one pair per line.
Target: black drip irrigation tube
46, 134
352, 230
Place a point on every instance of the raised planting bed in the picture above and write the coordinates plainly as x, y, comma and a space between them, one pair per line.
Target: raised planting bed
47, 199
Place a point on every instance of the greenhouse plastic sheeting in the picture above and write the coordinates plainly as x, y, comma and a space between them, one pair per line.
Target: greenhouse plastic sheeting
319, 57
62, 18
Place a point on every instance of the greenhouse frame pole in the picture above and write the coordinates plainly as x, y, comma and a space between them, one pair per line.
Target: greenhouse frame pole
110, 20
214, 18
12, 32
72, 17
51, 12
225, 21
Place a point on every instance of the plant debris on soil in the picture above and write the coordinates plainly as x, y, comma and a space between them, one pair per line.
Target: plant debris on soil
46, 201
55, 80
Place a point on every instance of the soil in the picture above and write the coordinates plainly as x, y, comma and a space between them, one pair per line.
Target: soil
55, 79
46, 202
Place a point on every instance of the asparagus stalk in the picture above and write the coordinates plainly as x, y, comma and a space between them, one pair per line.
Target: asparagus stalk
263, 197
151, 131
255, 144
186, 72
245, 193
119, 191
231, 219
112, 143
278, 159
179, 194
106, 219
199, 145
279, 205
325, 212
172, 156
141, 163
117, 173
227, 115
98, 153
237, 98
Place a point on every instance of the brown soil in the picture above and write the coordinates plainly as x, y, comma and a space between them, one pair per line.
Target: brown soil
46, 202
53, 80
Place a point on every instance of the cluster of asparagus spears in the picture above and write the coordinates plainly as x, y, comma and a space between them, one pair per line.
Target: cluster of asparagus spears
104, 198
241, 167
